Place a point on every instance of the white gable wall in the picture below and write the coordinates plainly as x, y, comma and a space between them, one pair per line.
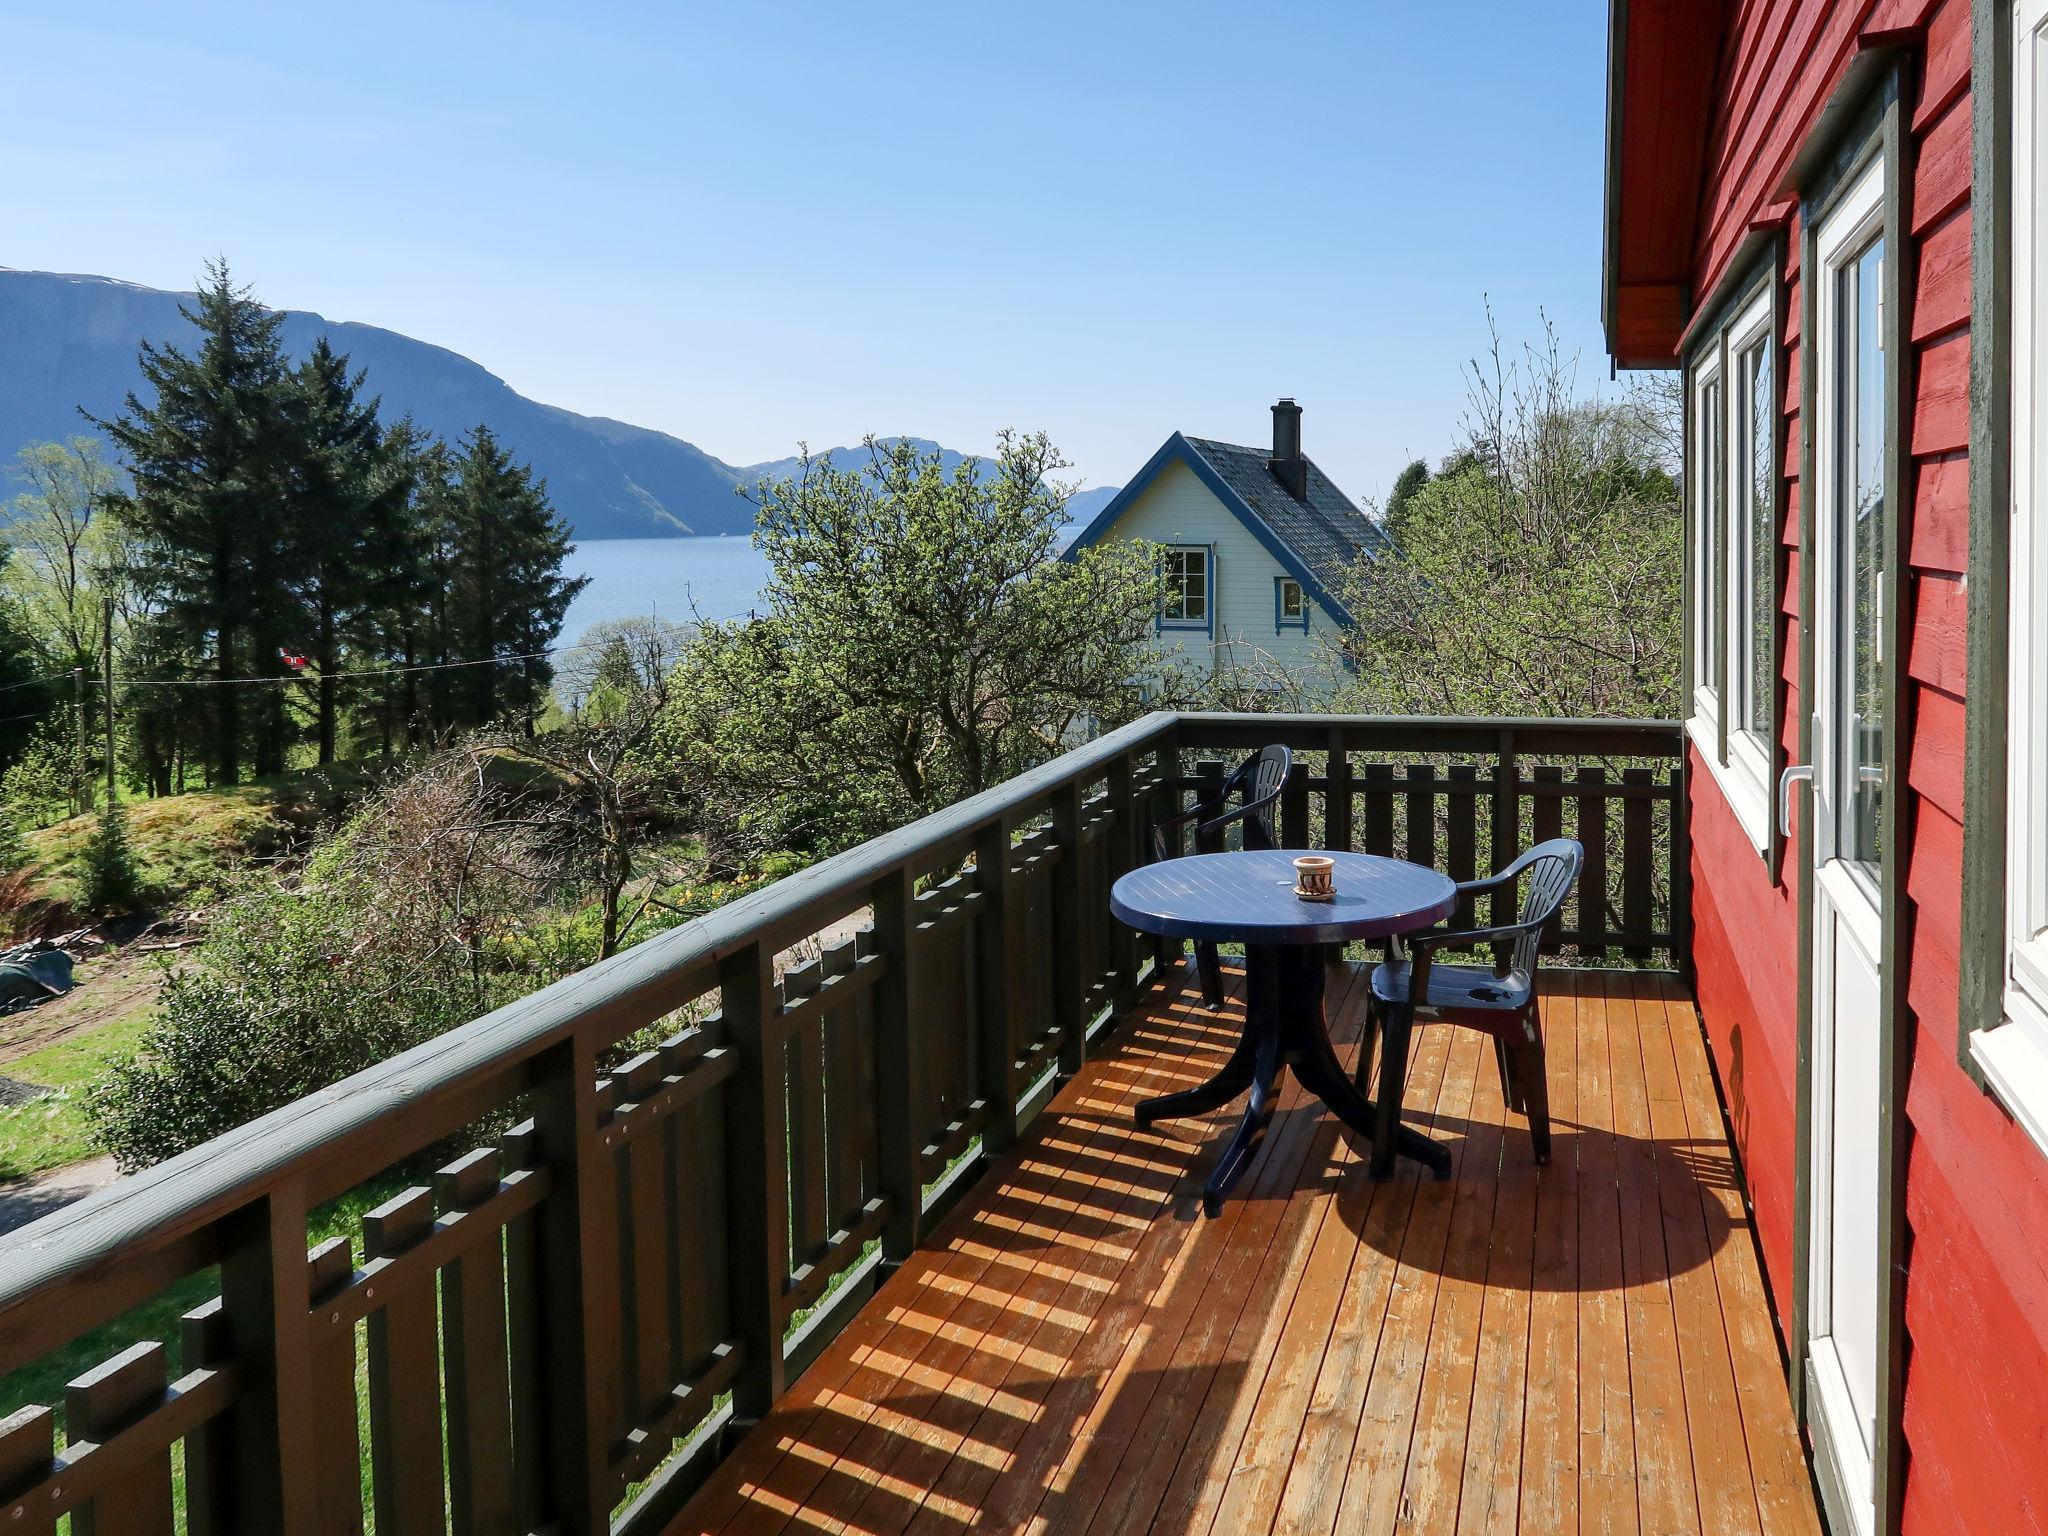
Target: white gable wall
1177, 508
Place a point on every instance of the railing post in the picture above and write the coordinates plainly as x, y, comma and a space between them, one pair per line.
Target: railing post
576, 1289
757, 1250
1068, 984
1680, 890
1160, 805
264, 1472
997, 970
1122, 850
1337, 796
900, 1097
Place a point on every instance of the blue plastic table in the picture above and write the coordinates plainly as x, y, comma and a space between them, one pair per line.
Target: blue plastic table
1248, 898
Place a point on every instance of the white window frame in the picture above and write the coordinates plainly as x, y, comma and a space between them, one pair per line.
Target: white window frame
1281, 619
1704, 720
1718, 552
1748, 781
2013, 1054
1168, 619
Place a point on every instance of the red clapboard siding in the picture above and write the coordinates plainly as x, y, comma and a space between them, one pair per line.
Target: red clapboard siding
1972, 1397
1946, 73
1934, 879
1935, 764
1941, 514
1937, 652
1941, 176
1941, 413
1941, 286
1989, 1174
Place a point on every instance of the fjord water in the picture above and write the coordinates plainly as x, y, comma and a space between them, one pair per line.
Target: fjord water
679, 579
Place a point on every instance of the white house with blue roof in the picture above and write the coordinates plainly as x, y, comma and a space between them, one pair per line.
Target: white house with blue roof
1254, 543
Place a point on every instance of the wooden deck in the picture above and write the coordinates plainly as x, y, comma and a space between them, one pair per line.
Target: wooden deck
1580, 1348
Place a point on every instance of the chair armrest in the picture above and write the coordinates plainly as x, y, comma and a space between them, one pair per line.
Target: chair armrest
1489, 883
1438, 938
1237, 815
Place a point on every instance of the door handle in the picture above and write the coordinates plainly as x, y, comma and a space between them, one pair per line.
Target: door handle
1786, 780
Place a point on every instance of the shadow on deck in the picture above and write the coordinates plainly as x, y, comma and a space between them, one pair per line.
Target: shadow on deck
1584, 1346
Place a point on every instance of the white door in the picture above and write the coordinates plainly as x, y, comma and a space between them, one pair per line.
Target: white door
1849, 728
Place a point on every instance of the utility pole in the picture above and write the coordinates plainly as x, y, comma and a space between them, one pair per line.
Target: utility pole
107, 650
81, 786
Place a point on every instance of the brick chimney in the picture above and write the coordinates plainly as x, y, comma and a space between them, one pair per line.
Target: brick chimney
1287, 464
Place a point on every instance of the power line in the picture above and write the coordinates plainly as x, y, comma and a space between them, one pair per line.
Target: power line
347, 677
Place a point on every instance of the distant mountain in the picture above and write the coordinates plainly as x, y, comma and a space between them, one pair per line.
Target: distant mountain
68, 341
1081, 506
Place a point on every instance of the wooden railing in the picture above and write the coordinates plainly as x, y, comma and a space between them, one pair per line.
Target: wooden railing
665, 1182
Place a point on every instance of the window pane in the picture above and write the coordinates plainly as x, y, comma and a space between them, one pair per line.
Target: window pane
1707, 652
1763, 535
1863, 450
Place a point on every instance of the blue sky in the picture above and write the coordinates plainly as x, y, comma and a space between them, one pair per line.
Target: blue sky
752, 223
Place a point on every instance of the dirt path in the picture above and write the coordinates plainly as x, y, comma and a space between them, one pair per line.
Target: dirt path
25, 1200
110, 987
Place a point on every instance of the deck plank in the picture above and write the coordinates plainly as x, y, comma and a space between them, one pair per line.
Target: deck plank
1582, 1348
1549, 1466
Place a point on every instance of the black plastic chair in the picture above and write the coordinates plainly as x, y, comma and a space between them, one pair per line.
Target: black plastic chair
1258, 781
1502, 1002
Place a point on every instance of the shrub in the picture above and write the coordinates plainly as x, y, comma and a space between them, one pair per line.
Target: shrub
408, 922
288, 998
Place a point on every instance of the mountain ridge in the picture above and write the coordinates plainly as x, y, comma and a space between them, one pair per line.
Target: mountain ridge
68, 340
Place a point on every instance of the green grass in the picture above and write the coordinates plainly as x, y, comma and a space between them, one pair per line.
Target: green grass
50, 1132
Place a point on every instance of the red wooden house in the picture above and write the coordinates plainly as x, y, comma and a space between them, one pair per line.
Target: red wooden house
1827, 215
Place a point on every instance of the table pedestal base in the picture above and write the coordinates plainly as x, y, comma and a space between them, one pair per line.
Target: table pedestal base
1284, 1027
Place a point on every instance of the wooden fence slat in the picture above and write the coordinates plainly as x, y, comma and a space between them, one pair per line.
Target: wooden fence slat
1638, 867
97, 1407
525, 1363
1294, 828
756, 1132
27, 1447
338, 1449
1379, 809
802, 1057
1420, 796
1337, 795
480, 1488
405, 1379
1461, 835
1546, 821
900, 1089
1590, 827
997, 962
640, 1152
1069, 890
845, 1124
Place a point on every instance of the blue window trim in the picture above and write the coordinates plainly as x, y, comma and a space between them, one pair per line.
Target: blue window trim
1206, 625
1179, 448
1281, 623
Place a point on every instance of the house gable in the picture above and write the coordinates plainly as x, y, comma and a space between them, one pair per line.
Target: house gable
1178, 457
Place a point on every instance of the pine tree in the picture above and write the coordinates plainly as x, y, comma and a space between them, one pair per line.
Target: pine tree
209, 454
349, 491
509, 595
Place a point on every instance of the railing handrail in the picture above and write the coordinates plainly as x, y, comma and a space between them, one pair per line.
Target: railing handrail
163, 1206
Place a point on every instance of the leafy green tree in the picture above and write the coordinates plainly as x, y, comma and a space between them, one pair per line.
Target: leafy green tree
209, 453
1536, 573
1407, 485
65, 556
923, 640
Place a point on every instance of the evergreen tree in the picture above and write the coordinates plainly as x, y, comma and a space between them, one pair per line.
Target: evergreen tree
349, 492
508, 596
209, 455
